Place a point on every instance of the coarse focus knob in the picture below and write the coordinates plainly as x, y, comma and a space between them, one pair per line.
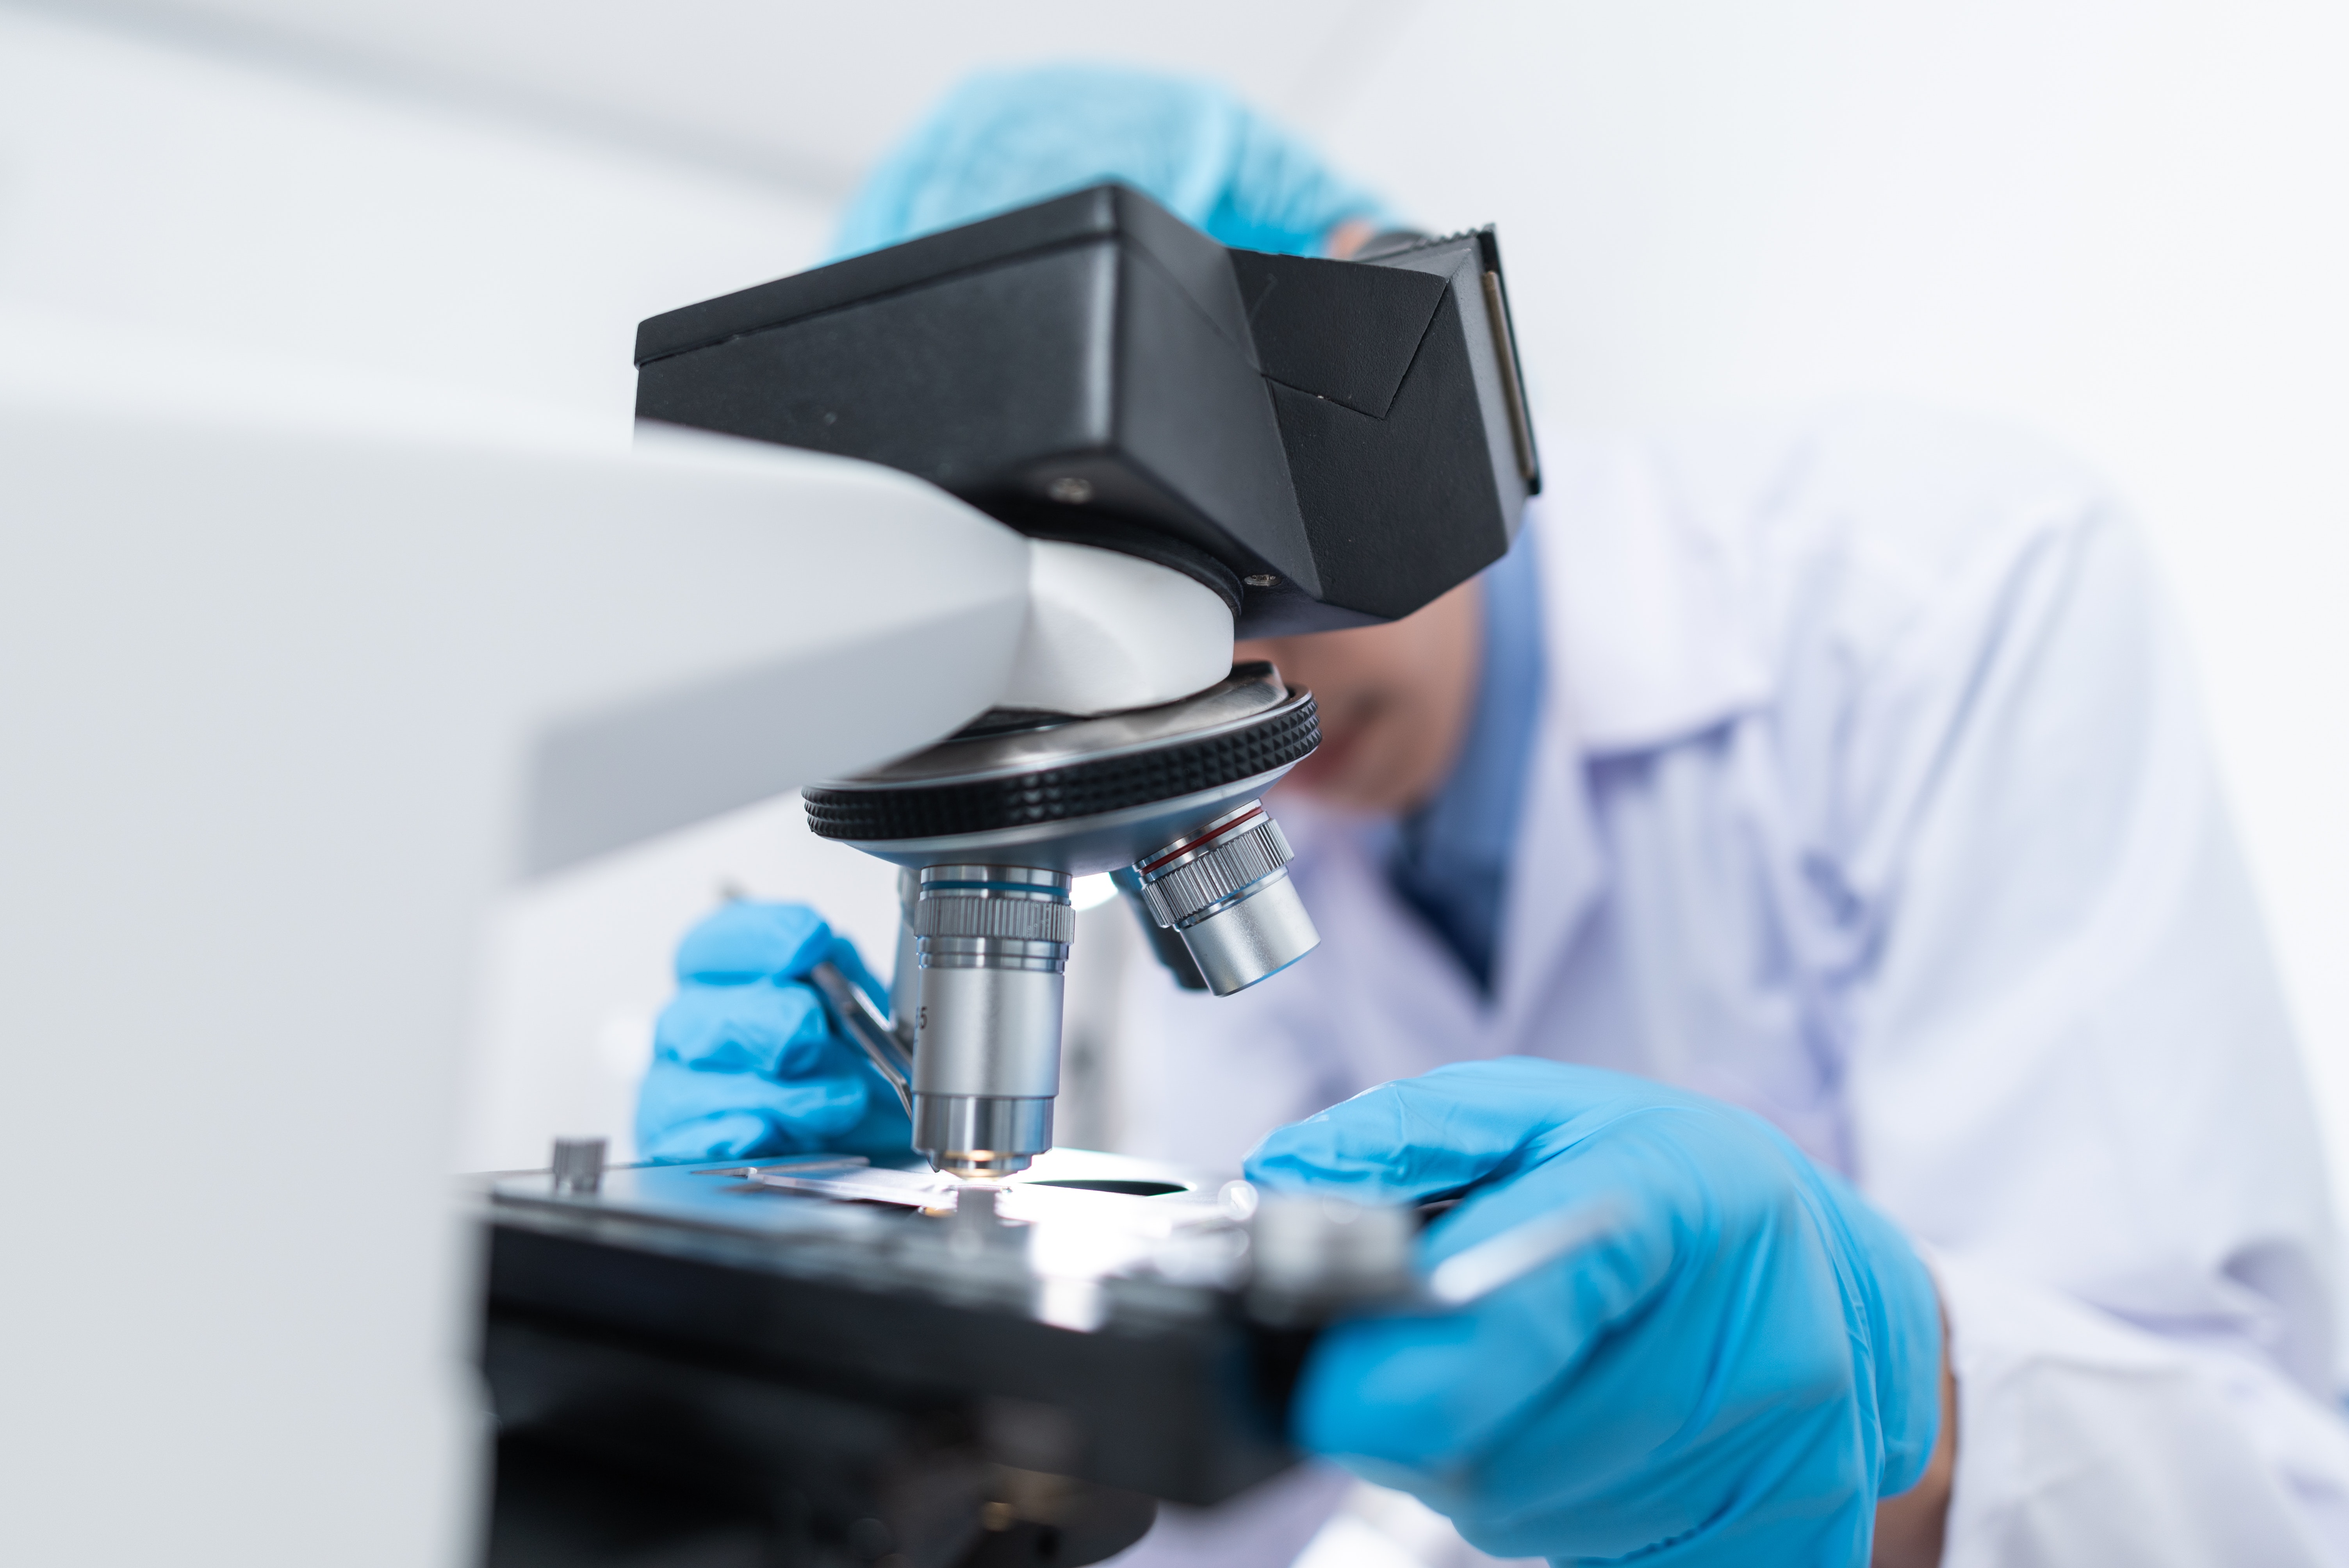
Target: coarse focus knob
1225, 891
1312, 1256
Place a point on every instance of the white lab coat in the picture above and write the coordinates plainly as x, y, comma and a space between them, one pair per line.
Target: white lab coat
1870, 793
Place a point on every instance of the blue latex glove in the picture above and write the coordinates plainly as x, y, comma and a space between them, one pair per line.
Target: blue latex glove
1005, 138
1733, 1373
746, 1061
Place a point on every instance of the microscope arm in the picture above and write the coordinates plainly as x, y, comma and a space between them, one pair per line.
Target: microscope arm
303, 674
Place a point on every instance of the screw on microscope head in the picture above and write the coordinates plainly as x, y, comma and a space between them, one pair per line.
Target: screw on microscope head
578, 1165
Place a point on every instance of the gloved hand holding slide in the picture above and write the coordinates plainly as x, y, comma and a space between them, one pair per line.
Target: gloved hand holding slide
747, 1061
1733, 1373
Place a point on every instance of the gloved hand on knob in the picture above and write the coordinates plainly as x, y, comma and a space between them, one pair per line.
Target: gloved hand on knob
746, 1060
1734, 1371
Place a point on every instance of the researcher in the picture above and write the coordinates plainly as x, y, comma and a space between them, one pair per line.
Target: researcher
1805, 842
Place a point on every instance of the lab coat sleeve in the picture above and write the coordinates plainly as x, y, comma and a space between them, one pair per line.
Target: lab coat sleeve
2069, 1068
2085, 1441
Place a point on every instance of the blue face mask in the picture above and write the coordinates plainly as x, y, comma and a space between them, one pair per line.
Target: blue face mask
1006, 138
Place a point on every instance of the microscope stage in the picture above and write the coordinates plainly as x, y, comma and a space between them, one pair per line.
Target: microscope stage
825, 1328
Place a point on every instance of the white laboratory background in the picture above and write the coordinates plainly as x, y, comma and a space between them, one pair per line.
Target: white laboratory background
2123, 222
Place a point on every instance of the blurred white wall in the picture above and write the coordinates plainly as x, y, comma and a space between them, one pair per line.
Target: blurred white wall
2121, 221
202, 191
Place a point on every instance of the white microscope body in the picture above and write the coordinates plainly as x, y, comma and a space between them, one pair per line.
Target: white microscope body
297, 681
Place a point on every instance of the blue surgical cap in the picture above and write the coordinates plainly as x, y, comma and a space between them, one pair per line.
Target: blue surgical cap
1005, 138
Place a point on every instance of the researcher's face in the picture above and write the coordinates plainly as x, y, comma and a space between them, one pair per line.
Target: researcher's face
1395, 702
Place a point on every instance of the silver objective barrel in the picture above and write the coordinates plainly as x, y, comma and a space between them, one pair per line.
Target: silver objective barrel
1225, 891
992, 942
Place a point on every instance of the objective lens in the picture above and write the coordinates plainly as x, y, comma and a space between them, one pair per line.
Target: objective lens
993, 945
1225, 891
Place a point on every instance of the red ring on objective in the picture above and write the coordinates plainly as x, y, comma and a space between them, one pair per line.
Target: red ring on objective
1253, 811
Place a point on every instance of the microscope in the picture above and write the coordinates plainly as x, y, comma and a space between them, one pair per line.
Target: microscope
1207, 443
1009, 1357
